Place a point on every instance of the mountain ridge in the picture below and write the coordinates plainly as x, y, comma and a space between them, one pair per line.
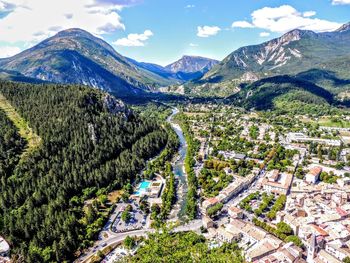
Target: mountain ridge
294, 52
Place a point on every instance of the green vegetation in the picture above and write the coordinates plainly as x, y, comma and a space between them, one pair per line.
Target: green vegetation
283, 231
280, 158
245, 203
158, 165
214, 210
11, 147
169, 194
84, 148
129, 242
213, 169
183, 247
33, 140
126, 216
236, 144
267, 200
192, 149
254, 132
278, 206
329, 178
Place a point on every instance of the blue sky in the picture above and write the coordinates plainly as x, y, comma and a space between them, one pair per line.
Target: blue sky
161, 31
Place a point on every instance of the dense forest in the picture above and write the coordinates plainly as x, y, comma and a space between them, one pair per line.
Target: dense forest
11, 146
90, 141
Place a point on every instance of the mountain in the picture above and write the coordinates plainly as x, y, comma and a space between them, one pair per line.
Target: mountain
293, 53
15, 76
185, 69
76, 56
263, 94
191, 67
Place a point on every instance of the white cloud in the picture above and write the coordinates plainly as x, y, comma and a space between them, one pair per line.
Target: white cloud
242, 24
341, 2
35, 20
8, 51
285, 18
309, 13
264, 34
134, 40
190, 6
207, 31
193, 45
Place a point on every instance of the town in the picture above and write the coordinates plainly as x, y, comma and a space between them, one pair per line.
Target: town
278, 186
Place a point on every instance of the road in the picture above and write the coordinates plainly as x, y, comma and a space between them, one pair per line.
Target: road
115, 238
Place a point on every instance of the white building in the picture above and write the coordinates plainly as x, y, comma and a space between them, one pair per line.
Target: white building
313, 175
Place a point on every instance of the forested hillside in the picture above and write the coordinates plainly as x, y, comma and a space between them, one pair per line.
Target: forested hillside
89, 141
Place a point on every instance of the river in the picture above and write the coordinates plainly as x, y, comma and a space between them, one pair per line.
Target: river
178, 168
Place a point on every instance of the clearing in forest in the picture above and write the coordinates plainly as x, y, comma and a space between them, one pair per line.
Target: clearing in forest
33, 140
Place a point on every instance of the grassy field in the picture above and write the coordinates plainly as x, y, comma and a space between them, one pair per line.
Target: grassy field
328, 122
33, 140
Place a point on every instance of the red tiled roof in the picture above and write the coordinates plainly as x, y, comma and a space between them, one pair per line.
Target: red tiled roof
315, 171
341, 212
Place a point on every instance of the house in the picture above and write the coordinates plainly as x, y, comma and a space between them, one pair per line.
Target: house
210, 202
313, 175
235, 212
324, 257
207, 222
289, 253
262, 249
338, 249
225, 236
277, 183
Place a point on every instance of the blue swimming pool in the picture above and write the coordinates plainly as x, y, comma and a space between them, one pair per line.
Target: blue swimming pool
142, 188
144, 185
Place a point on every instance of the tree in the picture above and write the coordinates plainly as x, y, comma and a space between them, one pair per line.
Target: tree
296, 240
284, 228
129, 242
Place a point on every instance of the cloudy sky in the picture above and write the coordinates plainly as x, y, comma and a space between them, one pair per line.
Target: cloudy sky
161, 31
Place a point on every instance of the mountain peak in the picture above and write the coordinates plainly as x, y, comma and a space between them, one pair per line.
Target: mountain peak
344, 28
190, 64
73, 32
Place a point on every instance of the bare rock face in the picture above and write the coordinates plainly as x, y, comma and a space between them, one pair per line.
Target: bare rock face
115, 106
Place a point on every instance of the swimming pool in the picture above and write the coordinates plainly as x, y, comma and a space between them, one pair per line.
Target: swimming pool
142, 188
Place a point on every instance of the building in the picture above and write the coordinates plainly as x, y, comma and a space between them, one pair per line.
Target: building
232, 155
235, 212
313, 175
276, 182
210, 202
226, 236
301, 137
338, 249
289, 253
324, 257
311, 251
263, 248
207, 222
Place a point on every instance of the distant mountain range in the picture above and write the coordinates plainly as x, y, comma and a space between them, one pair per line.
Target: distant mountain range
185, 69
301, 60
323, 58
75, 56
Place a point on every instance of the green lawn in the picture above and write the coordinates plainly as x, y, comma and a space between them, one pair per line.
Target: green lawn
331, 123
24, 130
